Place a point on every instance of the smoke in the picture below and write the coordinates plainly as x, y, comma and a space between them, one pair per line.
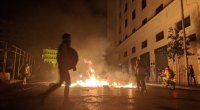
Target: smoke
80, 18
40, 24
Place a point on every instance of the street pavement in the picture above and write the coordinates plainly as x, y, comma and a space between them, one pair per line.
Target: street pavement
101, 98
177, 86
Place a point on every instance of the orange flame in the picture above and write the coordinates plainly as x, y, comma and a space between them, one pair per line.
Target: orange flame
92, 81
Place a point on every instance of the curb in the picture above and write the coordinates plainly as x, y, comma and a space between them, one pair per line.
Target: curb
177, 87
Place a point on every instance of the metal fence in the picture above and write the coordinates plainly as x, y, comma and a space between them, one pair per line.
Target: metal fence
13, 59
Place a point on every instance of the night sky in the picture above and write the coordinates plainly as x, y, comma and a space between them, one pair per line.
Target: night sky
37, 24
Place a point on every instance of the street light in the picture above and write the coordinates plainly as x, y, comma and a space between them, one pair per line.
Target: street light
184, 42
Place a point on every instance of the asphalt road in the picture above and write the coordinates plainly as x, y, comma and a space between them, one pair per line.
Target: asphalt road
102, 98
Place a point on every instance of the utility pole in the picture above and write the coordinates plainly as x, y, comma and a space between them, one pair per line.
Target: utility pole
184, 43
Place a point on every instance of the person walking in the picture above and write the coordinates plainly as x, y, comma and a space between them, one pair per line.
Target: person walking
67, 59
191, 75
136, 68
27, 73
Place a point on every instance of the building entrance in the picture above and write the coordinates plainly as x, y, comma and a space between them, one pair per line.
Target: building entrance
146, 58
161, 59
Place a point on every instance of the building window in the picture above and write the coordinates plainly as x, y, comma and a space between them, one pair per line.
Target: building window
126, 22
133, 31
144, 21
126, 37
159, 36
120, 41
126, 7
186, 21
133, 15
144, 44
192, 37
144, 3
179, 25
133, 50
159, 9
125, 54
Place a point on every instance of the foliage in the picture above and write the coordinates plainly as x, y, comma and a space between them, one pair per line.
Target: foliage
175, 45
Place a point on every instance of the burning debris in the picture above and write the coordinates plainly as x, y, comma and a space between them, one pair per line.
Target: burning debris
94, 81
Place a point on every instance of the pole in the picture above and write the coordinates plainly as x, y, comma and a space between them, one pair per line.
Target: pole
5, 57
184, 43
14, 63
19, 63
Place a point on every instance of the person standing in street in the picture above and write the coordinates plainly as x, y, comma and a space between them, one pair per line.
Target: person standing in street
67, 59
191, 75
136, 74
27, 73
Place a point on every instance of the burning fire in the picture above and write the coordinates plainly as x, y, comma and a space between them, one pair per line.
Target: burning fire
92, 81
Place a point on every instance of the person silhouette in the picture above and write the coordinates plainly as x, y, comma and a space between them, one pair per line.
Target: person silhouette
192, 75
136, 74
67, 59
27, 73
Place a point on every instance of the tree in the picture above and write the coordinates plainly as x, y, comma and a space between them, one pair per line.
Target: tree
175, 45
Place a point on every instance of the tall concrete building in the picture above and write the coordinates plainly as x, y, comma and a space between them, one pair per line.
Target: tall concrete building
140, 29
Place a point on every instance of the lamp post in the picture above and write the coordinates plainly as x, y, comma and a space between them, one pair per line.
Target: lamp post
184, 42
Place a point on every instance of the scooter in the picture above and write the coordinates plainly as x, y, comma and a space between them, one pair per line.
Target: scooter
170, 83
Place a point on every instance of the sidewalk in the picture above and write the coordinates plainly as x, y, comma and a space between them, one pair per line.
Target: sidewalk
177, 86
10, 85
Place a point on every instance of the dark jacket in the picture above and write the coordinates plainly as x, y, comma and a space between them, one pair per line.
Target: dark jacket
141, 70
67, 57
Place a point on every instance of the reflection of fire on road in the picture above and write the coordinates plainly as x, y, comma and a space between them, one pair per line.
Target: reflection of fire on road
93, 81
